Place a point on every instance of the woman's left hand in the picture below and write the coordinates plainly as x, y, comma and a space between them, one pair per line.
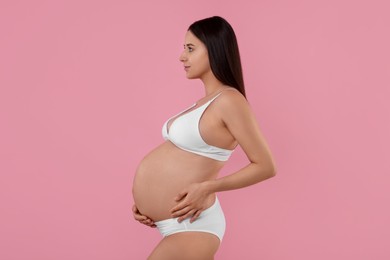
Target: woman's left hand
191, 202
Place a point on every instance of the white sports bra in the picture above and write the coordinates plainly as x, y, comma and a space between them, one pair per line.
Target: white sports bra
184, 133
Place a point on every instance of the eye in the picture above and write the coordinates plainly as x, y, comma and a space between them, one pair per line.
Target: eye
190, 49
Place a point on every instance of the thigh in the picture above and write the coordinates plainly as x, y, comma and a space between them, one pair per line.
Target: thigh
186, 246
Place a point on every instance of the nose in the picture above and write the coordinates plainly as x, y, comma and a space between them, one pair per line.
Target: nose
183, 56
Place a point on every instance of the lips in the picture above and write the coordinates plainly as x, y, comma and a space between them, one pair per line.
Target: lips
186, 68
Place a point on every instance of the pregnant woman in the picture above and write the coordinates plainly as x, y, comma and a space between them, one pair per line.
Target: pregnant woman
175, 185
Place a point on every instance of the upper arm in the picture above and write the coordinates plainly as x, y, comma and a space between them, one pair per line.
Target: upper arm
241, 122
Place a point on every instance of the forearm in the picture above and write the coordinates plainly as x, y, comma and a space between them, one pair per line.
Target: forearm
249, 175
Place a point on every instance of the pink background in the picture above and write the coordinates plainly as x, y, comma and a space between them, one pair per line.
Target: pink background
87, 85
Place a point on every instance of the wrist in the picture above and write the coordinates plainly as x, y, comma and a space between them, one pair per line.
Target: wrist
209, 186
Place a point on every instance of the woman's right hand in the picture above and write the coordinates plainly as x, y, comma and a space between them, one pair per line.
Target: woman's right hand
141, 218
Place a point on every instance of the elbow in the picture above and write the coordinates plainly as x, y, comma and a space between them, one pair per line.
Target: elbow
269, 174
267, 168
272, 168
272, 172
266, 173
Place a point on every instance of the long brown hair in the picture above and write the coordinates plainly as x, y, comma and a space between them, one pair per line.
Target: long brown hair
221, 43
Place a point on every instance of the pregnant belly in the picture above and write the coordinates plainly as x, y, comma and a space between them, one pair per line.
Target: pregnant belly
163, 173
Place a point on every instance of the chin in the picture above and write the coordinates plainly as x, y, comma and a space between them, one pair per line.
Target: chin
191, 77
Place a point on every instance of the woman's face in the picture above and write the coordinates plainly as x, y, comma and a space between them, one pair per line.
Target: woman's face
195, 57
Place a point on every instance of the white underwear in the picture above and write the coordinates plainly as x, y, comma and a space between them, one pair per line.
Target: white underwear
211, 220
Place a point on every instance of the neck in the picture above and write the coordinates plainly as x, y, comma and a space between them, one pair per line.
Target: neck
212, 85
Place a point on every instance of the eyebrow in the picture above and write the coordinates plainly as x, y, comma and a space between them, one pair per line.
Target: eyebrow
188, 44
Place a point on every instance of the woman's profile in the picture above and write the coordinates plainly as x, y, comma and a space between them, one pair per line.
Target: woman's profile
175, 185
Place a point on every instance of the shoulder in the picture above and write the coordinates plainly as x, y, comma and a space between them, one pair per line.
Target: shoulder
232, 100
234, 109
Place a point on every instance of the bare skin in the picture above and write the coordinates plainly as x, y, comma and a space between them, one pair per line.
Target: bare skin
171, 182
186, 245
